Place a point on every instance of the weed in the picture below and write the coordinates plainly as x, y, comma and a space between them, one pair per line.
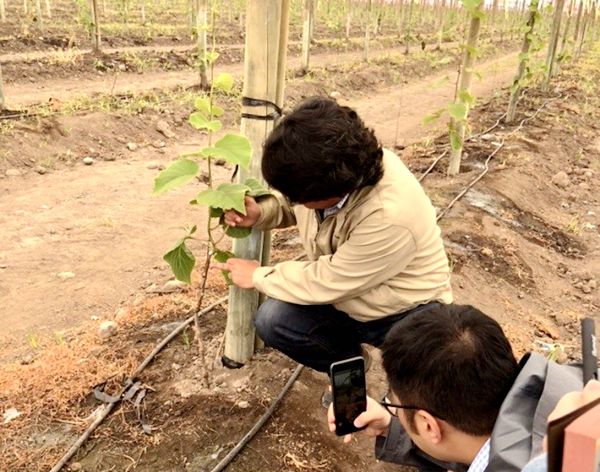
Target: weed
185, 337
33, 340
573, 226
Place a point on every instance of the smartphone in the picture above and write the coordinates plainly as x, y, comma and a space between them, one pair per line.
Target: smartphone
349, 393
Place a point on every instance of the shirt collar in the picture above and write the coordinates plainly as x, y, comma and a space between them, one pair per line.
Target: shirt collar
482, 458
332, 210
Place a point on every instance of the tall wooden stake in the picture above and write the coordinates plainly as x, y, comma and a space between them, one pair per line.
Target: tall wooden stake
2, 11
264, 76
464, 89
367, 30
523, 62
201, 17
2, 105
307, 22
552, 45
95, 27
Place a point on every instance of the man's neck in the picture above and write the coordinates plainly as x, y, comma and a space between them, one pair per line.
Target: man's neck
466, 446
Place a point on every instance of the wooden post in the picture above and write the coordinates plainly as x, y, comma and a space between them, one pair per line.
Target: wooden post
38, 14
48, 9
552, 45
464, 88
2, 11
201, 16
264, 75
307, 20
408, 27
440, 34
348, 18
2, 102
523, 62
95, 26
367, 30
586, 17
577, 25
565, 37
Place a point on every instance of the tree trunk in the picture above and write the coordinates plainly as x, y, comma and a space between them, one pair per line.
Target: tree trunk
367, 30
201, 15
554, 35
264, 76
308, 12
464, 88
95, 26
523, 63
48, 9
577, 24
583, 32
564, 40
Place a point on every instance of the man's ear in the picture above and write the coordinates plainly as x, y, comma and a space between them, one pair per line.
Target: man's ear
428, 426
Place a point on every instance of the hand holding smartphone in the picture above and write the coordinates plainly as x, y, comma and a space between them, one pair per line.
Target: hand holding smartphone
349, 393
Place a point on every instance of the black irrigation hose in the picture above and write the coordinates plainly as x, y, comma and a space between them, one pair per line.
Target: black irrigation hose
490, 157
109, 406
259, 424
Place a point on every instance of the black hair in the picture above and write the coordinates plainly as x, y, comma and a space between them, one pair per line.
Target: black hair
321, 150
452, 360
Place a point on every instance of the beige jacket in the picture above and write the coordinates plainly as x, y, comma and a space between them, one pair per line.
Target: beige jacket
381, 254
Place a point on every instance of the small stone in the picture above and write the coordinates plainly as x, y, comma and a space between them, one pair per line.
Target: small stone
159, 144
107, 329
13, 172
122, 67
163, 127
175, 366
521, 295
488, 137
220, 162
76, 467
65, 275
561, 179
153, 165
588, 174
584, 186
335, 94
122, 313
547, 328
486, 252
172, 286
593, 284
109, 157
586, 289
132, 146
242, 404
88, 161
10, 415
41, 170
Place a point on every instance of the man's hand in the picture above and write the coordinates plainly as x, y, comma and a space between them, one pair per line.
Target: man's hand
236, 219
240, 271
376, 419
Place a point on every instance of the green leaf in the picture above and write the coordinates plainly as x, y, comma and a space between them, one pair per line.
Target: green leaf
202, 104
234, 148
181, 260
458, 111
466, 97
199, 121
433, 117
256, 188
444, 60
225, 196
211, 57
237, 233
222, 256
223, 82
214, 212
441, 81
175, 175
455, 140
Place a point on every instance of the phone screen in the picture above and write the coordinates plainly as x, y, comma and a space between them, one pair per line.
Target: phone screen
349, 393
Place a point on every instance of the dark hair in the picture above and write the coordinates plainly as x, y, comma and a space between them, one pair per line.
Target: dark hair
321, 150
454, 360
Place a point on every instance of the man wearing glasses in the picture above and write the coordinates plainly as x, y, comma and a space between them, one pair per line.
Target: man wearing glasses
458, 399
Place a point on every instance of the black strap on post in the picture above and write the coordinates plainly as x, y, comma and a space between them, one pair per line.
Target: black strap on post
257, 102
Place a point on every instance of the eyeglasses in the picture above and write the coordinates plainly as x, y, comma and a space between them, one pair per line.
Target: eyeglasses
392, 408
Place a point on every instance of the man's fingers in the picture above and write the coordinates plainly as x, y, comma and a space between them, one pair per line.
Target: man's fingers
347, 438
219, 265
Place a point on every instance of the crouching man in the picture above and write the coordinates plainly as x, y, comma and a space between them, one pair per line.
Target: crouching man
458, 399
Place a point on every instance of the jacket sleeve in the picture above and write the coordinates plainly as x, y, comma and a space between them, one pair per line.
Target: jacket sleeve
275, 212
397, 447
374, 253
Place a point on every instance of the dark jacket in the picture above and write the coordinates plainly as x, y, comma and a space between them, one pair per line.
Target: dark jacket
520, 426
